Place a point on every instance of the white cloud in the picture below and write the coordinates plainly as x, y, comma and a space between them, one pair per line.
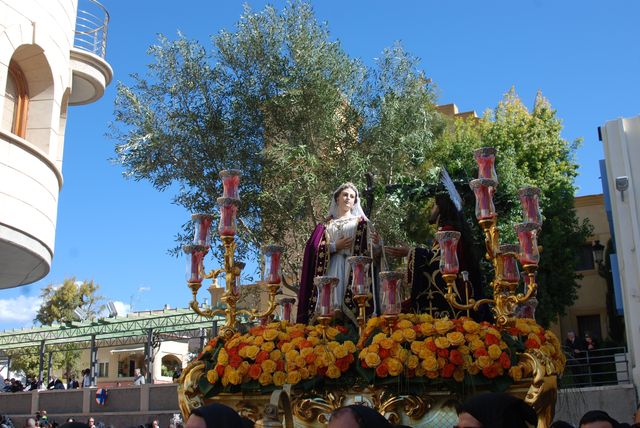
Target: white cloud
122, 308
19, 309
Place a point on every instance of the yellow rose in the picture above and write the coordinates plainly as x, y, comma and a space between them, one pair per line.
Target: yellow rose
378, 337
250, 351
296, 341
458, 374
243, 369
425, 353
429, 364
443, 325
397, 336
372, 360
212, 376
333, 372
275, 355
470, 326
426, 328
304, 373
265, 379
300, 361
372, 323
314, 340
374, 347
293, 377
473, 369
494, 351
223, 357
234, 377
340, 352
417, 346
432, 374
441, 362
387, 343
515, 373
402, 354
404, 323
442, 342
332, 332
523, 326
233, 343
258, 340
267, 346
395, 366
491, 330
286, 347
291, 355
483, 361
420, 372
464, 349
409, 334
534, 336
268, 366
425, 318
455, 338
279, 378
349, 346
476, 344
412, 361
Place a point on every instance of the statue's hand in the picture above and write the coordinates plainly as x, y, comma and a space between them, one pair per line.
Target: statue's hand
401, 251
342, 243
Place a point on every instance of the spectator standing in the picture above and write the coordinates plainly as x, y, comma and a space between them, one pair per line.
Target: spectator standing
30, 423
590, 344
597, 419
73, 383
86, 378
91, 422
138, 378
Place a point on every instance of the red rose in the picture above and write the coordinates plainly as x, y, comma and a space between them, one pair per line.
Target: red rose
296, 333
455, 357
504, 360
447, 370
310, 358
490, 371
342, 329
220, 370
322, 371
235, 361
480, 352
382, 370
431, 345
233, 351
262, 356
531, 343
280, 365
255, 371
444, 353
305, 344
513, 331
343, 364
256, 331
490, 339
384, 353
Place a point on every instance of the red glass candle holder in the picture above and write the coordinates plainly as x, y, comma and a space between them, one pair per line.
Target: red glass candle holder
486, 158
286, 305
327, 302
228, 211
530, 200
230, 183
359, 269
448, 243
508, 264
483, 189
195, 256
528, 238
390, 301
202, 229
271, 255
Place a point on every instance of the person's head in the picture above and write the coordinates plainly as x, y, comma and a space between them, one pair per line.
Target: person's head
571, 335
137, 372
345, 197
214, 415
495, 410
597, 419
91, 421
30, 423
357, 416
155, 423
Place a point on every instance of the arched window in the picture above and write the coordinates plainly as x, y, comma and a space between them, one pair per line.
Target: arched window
14, 117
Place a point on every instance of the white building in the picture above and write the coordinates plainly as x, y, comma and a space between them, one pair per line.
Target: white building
51, 56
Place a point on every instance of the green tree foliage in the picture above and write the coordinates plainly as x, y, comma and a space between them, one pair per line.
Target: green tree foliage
278, 99
58, 305
531, 151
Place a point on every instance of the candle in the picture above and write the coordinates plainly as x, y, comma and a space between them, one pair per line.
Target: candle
508, 265
228, 210
326, 303
483, 190
271, 269
485, 158
390, 302
195, 256
448, 243
528, 238
274, 270
230, 183
530, 200
359, 268
202, 226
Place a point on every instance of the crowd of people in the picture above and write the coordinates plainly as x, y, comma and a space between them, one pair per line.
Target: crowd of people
41, 420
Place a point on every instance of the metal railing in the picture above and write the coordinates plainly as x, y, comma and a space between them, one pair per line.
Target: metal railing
91, 27
606, 366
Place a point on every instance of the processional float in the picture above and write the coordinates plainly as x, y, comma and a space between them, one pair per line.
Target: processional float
412, 368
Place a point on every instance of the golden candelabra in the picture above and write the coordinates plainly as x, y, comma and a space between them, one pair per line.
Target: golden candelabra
231, 269
502, 257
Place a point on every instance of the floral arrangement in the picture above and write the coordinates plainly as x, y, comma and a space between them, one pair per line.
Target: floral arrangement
417, 348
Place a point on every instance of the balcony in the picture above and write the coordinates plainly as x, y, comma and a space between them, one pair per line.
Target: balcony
91, 72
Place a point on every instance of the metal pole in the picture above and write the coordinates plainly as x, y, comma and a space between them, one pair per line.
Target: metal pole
49, 366
214, 329
149, 355
94, 359
41, 367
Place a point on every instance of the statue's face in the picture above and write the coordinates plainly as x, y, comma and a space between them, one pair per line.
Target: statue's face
346, 200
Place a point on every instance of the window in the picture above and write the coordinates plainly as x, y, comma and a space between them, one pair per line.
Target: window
103, 369
584, 258
14, 116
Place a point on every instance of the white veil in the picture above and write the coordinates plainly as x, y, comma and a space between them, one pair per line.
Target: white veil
356, 211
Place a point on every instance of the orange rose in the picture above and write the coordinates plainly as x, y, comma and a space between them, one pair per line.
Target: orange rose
382, 370
430, 345
491, 371
504, 360
490, 339
458, 374
255, 371
262, 356
447, 370
531, 344
455, 357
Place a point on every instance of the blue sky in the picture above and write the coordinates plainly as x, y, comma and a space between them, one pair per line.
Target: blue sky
583, 56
